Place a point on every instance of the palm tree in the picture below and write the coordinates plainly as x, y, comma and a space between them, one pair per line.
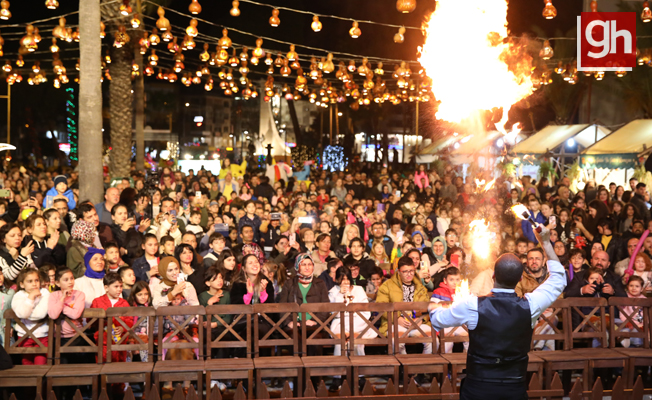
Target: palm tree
90, 102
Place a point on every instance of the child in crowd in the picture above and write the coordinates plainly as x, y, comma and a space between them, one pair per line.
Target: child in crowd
194, 224
642, 268
634, 291
445, 292
216, 242
276, 274
141, 296
149, 261
376, 279
70, 303
214, 279
48, 272
6, 294
166, 248
113, 289
30, 304
112, 257
128, 280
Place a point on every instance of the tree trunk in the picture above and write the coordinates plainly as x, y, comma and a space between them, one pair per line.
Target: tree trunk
90, 102
121, 103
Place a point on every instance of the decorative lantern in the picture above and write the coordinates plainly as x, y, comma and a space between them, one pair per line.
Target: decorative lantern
54, 48
135, 21
163, 24
235, 11
328, 65
244, 56
75, 35
173, 47
188, 43
205, 55
153, 58
268, 60
244, 70
125, 8
594, 8
355, 31
646, 14
560, 69
225, 41
192, 29
60, 31
234, 61
278, 62
149, 71
121, 37
285, 69
102, 33
5, 14
400, 36
546, 51
7, 67
292, 55
379, 69
274, 20
549, 11
316, 25
51, 4
351, 66
20, 62
154, 39
258, 51
29, 41
363, 70
194, 7
406, 6
167, 36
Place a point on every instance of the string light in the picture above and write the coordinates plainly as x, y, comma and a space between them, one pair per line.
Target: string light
316, 25
406, 6
235, 11
5, 14
274, 20
646, 14
355, 31
400, 36
549, 11
546, 51
194, 7
51, 4
163, 24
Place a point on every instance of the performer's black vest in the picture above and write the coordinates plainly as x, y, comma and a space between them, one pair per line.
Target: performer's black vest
499, 345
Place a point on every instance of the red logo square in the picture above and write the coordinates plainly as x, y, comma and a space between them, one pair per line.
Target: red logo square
606, 41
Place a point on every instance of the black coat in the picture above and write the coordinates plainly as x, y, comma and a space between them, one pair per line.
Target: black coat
318, 293
579, 280
239, 290
43, 254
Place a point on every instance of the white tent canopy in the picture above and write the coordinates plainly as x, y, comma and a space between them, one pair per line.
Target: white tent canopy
554, 136
269, 133
633, 138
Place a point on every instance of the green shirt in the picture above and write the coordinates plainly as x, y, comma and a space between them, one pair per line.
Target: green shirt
304, 292
225, 299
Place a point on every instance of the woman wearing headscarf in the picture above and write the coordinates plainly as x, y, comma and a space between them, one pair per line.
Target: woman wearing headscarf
92, 282
82, 237
304, 287
253, 248
437, 255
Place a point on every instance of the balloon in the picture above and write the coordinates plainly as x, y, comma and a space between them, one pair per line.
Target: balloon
630, 268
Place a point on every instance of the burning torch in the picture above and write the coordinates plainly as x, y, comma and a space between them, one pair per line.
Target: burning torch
522, 212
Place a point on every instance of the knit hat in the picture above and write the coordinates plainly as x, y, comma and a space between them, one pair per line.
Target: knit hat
60, 179
87, 261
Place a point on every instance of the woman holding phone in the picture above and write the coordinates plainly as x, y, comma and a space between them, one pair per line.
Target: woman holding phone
127, 238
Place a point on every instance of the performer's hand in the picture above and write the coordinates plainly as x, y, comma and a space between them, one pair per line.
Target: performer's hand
544, 235
434, 306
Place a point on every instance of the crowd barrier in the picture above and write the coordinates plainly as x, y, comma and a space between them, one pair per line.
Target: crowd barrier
267, 346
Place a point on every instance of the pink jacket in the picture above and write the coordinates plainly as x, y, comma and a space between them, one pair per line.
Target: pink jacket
421, 175
630, 309
72, 307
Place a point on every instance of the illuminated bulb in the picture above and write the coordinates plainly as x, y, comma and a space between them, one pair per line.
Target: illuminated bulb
163, 24
192, 30
549, 11
316, 25
646, 14
400, 36
121, 37
546, 51
54, 48
5, 14
135, 22
560, 69
355, 31
274, 20
594, 6
406, 6
225, 41
205, 55
621, 73
29, 40
20, 62
7, 67
235, 11
379, 69
599, 75
292, 55
194, 7
154, 39
167, 36
51, 4
125, 8
102, 33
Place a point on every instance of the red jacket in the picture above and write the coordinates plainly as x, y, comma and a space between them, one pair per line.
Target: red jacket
104, 303
442, 293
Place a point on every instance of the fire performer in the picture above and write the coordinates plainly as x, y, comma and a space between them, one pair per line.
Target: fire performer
500, 326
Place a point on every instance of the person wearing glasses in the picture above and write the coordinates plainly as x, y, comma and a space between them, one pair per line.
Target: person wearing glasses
501, 325
405, 286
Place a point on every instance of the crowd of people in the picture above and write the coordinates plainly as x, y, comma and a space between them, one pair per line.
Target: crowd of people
364, 235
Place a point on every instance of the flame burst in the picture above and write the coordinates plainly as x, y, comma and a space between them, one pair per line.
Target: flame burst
462, 292
466, 57
481, 238
519, 210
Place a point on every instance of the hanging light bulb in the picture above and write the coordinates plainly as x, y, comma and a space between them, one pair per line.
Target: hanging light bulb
258, 51
20, 62
316, 24
51, 4
102, 28
5, 14
192, 30
546, 51
36, 68
149, 71
549, 11
154, 38
355, 31
29, 41
292, 55
121, 37
560, 69
125, 8
594, 6
646, 14
406, 6
135, 22
194, 7
225, 41
379, 69
285, 69
621, 73
234, 61
163, 24
205, 55
328, 65
60, 31
599, 75
167, 36
400, 36
235, 11
54, 48
7, 67
153, 58
173, 47
76, 35
244, 56
274, 20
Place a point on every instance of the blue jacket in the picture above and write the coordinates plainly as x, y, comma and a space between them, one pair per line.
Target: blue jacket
141, 268
68, 193
527, 228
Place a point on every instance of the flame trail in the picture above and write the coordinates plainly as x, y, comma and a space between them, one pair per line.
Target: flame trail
466, 57
481, 238
462, 292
